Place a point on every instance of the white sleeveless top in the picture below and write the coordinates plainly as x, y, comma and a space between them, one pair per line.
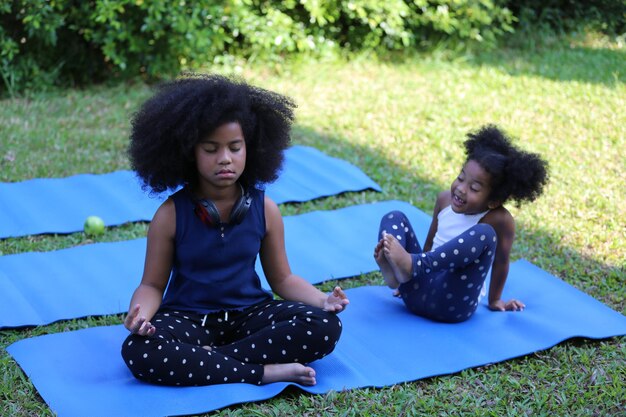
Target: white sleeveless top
451, 224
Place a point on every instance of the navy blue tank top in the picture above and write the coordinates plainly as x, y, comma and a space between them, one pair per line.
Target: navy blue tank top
214, 267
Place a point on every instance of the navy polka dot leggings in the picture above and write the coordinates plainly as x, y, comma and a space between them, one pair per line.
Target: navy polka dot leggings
446, 282
241, 343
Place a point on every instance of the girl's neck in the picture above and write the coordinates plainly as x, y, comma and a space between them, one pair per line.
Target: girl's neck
217, 194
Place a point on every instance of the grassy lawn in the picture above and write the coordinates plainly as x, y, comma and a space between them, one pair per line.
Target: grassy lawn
403, 123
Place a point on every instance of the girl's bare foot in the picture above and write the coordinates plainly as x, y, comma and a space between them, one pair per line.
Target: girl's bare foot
383, 264
399, 259
288, 372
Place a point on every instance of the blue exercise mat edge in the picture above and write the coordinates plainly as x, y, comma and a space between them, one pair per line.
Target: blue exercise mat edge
373, 319
38, 288
117, 197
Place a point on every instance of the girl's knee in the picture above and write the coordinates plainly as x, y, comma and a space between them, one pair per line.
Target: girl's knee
483, 234
395, 222
331, 325
393, 217
317, 320
130, 345
132, 350
486, 230
327, 328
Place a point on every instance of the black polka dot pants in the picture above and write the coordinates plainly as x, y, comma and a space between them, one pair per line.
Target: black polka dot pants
241, 343
447, 281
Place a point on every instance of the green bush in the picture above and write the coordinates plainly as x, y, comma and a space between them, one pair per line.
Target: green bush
78, 42
72, 42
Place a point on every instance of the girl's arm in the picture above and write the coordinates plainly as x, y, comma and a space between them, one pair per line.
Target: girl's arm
504, 225
276, 267
443, 200
147, 297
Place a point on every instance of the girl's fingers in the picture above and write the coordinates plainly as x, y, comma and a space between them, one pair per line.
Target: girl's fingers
138, 325
131, 317
136, 328
338, 292
146, 329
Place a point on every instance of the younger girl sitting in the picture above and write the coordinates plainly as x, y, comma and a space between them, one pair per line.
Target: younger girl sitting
471, 231
200, 315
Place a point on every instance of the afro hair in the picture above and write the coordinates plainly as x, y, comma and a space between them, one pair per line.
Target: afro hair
182, 112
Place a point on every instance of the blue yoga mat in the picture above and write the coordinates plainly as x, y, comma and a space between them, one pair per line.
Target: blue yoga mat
117, 197
81, 373
39, 288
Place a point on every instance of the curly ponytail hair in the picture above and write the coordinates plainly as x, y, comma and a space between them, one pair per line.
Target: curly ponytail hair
515, 174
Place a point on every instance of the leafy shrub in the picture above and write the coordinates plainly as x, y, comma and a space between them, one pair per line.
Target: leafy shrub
73, 42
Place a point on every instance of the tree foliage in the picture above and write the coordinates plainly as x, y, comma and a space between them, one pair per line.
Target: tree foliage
73, 42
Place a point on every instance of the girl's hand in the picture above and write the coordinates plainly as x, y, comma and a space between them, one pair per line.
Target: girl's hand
511, 305
336, 301
138, 325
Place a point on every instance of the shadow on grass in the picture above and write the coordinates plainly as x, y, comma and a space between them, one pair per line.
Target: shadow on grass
601, 281
566, 64
602, 66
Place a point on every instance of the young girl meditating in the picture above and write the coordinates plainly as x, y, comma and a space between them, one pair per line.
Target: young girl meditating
200, 315
470, 233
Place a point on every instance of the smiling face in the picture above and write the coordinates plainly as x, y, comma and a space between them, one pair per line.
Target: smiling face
221, 157
470, 191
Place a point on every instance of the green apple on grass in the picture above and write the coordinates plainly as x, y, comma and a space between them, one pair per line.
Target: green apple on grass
94, 226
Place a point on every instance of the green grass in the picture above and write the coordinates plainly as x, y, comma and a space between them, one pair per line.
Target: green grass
403, 122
